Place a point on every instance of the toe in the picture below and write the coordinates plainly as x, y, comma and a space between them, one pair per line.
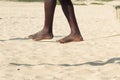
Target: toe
30, 36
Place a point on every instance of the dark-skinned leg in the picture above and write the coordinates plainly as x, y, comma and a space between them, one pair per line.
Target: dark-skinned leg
75, 34
46, 32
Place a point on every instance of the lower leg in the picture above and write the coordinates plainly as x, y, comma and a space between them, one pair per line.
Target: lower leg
46, 32
68, 10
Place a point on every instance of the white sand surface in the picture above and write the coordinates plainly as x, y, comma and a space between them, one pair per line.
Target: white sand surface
96, 58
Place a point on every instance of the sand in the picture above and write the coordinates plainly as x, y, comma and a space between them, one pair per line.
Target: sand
96, 58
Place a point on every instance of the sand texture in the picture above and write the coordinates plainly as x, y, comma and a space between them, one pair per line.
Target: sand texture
96, 58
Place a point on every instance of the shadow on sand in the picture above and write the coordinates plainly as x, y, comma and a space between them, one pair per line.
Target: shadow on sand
14, 39
115, 60
23, 39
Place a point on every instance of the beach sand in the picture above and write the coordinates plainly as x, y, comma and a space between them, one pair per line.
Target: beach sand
95, 58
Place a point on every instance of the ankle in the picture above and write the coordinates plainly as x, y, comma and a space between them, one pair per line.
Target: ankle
75, 33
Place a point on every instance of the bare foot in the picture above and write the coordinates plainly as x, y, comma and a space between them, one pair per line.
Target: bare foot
41, 35
71, 38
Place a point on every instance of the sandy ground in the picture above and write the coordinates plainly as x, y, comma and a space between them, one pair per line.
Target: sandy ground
96, 58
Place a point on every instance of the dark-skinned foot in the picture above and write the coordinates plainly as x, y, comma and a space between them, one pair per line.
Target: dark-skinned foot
41, 36
71, 38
